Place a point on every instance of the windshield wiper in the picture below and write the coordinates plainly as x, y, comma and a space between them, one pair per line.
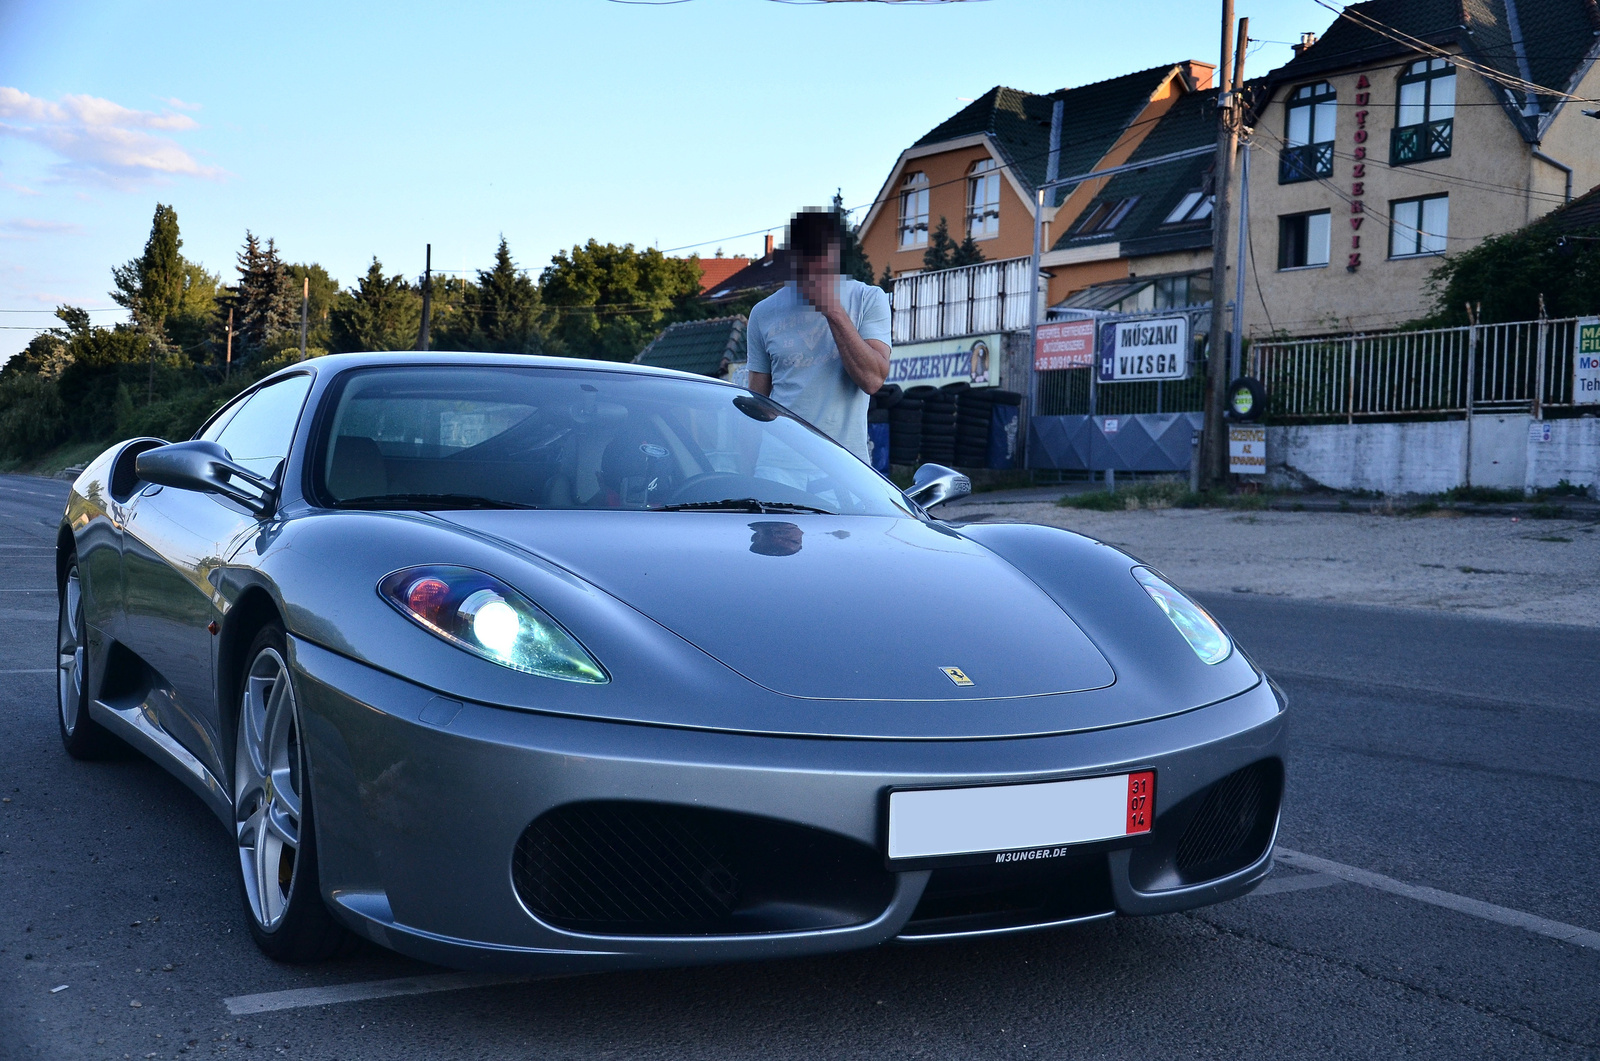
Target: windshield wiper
743, 504
431, 500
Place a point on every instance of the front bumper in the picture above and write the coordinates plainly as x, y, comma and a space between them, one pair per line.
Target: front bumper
420, 802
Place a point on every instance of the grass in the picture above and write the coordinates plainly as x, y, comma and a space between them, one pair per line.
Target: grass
62, 457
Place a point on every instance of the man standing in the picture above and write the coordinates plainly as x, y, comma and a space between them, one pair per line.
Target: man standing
820, 344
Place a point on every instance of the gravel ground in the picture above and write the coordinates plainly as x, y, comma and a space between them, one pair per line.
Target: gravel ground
1518, 569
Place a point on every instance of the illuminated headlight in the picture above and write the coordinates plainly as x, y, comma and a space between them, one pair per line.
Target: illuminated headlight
1197, 628
483, 615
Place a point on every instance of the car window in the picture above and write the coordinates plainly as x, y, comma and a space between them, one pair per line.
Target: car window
258, 434
558, 438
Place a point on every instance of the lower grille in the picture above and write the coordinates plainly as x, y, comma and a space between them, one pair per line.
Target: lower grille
994, 898
1226, 819
629, 868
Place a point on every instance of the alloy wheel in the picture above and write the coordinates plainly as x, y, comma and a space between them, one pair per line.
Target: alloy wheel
267, 788
69, 652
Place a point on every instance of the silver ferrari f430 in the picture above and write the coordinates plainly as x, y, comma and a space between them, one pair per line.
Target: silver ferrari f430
545, 665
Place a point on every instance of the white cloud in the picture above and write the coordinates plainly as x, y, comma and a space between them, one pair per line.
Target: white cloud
97, 138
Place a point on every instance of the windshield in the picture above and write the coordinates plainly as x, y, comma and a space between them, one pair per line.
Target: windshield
433, 436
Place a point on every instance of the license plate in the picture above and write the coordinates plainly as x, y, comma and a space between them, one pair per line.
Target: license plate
1022, 822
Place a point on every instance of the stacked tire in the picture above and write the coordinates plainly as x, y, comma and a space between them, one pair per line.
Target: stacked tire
974, 411
905, 424
938, 424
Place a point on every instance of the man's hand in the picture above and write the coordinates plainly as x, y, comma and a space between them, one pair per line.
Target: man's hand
822, 291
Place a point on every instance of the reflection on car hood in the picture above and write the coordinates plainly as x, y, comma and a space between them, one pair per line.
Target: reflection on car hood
823, 606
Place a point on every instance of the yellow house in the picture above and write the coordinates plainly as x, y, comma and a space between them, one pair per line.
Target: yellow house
1411, 130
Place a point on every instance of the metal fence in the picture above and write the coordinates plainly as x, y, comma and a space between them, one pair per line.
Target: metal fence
1408, 374
970, 300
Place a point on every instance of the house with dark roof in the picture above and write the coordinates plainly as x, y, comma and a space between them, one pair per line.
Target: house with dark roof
1411, 130
979, 170
706, 348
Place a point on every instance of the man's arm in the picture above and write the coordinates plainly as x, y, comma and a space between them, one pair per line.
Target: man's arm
761, 383
866, 360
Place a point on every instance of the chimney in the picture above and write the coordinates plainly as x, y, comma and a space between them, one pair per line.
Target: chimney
769, 245
1306, 41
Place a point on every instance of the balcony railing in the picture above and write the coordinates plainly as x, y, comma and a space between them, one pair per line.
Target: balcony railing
1305, 163
1419, 143
967, 300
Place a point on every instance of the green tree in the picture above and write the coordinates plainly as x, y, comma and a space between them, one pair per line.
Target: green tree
886, 281
379, 313
852, 257
264, 300
941, 248
968, 253
150, 287
1508, 273
190, 324
324, 294
507, 308
609, 301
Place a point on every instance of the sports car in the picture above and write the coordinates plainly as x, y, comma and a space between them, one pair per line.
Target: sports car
541, 665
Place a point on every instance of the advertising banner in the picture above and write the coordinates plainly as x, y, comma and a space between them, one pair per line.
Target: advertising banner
974, 359
1065, 344
1144, 350
1247, 450
1586, 363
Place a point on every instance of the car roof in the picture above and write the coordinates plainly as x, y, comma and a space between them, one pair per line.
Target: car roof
330, 363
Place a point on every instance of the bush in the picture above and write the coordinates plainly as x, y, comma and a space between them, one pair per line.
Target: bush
32, 417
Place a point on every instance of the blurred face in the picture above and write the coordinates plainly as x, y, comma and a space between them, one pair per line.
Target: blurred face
815, 267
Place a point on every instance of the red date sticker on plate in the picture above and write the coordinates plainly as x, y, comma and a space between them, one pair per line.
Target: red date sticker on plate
1141, 791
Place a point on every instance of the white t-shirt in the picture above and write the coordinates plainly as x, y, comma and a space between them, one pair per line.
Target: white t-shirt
790, 341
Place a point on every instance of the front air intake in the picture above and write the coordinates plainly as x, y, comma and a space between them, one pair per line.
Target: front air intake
1229, 816
650, 869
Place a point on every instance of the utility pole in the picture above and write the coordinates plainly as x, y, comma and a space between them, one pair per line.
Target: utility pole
1213, 443
427, 298
227, 364
1236, 350
305, 314
1052, 171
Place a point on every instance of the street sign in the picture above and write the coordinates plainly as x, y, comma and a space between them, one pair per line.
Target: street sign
1144, 350
1586, 363
1065, 344
1247, 450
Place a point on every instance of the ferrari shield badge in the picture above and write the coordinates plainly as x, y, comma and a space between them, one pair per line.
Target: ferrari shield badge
957, 675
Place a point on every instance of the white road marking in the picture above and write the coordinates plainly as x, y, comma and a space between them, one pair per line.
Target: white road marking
1582, 937
1298, 883
298, 998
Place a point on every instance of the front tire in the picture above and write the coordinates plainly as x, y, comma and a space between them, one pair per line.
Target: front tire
81, 735
272, 813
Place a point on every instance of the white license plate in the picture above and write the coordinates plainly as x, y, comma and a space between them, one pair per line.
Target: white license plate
1018, 822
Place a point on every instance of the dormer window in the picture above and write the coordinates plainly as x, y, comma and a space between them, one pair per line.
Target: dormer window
1194, 206
914, 211
1308, 137
983, 199
1425, 110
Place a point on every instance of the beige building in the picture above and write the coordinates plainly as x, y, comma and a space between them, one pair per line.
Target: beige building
1408, 132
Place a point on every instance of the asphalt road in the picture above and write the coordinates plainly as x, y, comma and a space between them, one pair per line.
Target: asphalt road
1429, 752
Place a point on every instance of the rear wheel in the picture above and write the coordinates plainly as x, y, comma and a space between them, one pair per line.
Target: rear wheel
82, 736
272, 814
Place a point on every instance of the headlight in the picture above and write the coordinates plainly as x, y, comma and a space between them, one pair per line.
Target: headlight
488, 618
1197, 628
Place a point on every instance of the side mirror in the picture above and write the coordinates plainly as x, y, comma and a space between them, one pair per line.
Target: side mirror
206, 467
934, 484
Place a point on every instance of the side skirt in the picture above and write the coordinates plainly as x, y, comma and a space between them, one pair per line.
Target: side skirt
133, 724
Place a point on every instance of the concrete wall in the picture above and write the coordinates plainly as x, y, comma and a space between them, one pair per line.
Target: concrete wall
1429, 458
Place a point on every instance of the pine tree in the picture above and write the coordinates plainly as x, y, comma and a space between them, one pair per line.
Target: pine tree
941, 248
150, 286
886, 281
379, 313
264, 301
852, 258
969, 253
507, 307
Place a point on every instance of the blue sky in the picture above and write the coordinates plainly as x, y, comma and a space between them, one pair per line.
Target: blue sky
347, 130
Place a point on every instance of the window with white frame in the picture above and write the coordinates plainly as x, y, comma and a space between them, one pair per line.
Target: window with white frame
1425, 108
914, 210
1194, 206
1104, 216
1418, 226
1303, 239
983, 199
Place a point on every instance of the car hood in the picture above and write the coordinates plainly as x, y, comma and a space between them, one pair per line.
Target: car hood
826, 607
